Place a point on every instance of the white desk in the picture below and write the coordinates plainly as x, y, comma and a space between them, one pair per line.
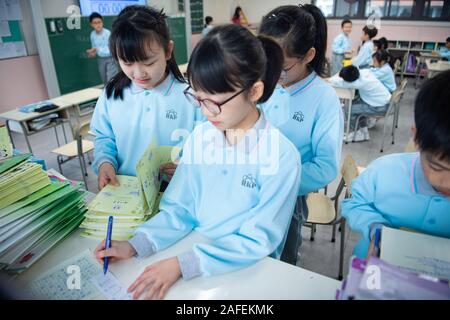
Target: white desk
65, 102
267, 279
436, 67
347, 95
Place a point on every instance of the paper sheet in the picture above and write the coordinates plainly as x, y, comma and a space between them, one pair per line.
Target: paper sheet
416, 252
4, 29
13, 10
110, 287
57, 284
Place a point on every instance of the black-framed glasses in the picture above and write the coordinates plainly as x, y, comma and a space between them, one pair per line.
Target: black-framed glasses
212, 106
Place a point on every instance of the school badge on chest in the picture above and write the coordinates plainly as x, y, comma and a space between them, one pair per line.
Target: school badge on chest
248, 181
171, 114
298, 116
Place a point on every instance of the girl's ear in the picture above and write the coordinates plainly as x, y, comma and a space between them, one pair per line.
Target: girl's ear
169, 50
309, 55
256, 91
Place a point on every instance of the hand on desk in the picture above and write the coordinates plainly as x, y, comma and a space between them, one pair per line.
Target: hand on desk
107, 174
156, 279
119, 250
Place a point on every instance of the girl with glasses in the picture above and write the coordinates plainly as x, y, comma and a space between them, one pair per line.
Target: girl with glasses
305, 108
238, 177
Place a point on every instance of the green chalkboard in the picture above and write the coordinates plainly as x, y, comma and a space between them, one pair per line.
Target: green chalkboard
197, 21
16, 32
74, 70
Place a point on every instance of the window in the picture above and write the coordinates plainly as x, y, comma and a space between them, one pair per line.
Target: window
387, 9
346, 8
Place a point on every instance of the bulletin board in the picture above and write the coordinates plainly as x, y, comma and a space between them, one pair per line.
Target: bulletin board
12, 44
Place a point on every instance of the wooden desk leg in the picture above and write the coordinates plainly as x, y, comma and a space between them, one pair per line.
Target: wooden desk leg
9, 132
24, 129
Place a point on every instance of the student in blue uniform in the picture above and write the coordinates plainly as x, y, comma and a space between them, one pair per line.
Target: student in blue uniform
342, 45
382, 69
307, 109
99, 41
374, 97
238, 177
444, 52
364, 57
409, 190
144, 102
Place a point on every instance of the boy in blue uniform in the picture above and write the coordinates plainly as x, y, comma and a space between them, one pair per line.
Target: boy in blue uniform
100, 48
342, 45
444, 52
409, 190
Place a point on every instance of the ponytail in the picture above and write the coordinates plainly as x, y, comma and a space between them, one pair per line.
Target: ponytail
383, 56
320, 43
274, 64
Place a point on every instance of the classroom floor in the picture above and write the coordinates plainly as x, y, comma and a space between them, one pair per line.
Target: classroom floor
320, 255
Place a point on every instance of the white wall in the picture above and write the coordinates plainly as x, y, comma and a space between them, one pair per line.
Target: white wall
56, 8
170, 6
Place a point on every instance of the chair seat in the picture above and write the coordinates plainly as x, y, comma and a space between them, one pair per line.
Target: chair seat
320, 209
70, 149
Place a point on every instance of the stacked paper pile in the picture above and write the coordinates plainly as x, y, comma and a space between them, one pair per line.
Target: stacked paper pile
133, 202
36, 212
379, 280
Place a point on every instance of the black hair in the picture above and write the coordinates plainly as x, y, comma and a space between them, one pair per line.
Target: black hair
345, 21
95, 15
448, 39
231, 57
381, 43
237, 11
349, 73
432, 116
382, 56
371, 32
134, 29
299, 28
208, 20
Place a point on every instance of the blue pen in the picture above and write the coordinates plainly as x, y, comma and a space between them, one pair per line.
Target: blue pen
108, 243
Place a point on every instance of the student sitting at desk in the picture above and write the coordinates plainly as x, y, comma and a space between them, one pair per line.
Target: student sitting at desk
364, 57
373, 98
409, 190
238, 177
382, 69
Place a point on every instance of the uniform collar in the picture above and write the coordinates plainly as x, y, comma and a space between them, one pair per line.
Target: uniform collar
251, 139
302, 85
164, 88
419, 183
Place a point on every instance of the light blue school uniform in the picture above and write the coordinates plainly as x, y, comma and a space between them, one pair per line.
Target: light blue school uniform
371, 90
394, 191
310, 115
444, 52
386, 75
364, 57
124, 128
341, 44
240, 196
100, 42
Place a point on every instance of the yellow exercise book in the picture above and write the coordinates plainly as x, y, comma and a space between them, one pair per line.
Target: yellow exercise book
6, 148
133, 202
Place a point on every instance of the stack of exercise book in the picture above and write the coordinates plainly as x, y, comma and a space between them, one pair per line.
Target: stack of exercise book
131, 203
36, 212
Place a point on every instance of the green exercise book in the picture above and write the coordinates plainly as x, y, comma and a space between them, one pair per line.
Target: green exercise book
36, 212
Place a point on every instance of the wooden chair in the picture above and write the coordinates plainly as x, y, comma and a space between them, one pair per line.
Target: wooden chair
324, 210
77, 148
401, 87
